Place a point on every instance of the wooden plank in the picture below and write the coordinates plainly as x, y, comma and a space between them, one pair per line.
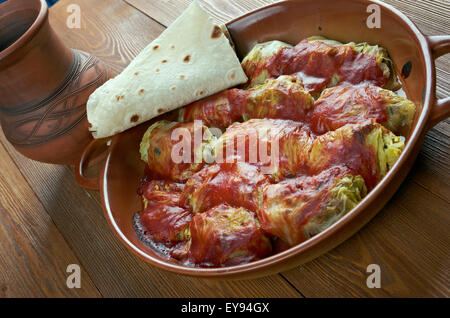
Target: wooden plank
409, 241
34, 255
109, 30
431, 169
166, 11
430, 16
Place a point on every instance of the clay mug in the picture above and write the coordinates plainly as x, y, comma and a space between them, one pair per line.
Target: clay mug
44, 85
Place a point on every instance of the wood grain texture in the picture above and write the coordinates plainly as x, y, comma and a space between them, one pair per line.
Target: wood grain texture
417, 264
114, 31
409, 241
166, 11
408, 238
34, 255
110, 30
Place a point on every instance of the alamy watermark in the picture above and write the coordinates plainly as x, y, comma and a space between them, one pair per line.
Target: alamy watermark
74, 19
74, 279
374, 279
374, 19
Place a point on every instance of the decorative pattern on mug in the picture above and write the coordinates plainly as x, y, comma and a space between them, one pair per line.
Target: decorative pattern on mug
38, 123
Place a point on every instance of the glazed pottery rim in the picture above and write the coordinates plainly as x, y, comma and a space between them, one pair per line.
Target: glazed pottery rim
302, 248
29, 33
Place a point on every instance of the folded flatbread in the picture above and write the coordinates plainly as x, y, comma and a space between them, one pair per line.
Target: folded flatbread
190, 60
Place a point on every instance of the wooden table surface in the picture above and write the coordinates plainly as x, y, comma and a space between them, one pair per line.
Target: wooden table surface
47, 221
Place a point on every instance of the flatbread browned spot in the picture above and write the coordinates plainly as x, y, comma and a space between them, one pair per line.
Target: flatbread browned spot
181, 76
119, 97
137, 73
160, 110
155, 47
201, 93
141, 91
172, 47
232, 75
134, 118
157, 70
187, 58
173, 88
164, 61
216, 33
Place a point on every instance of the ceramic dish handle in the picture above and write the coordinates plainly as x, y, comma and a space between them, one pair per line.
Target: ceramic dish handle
440, 45
88, 152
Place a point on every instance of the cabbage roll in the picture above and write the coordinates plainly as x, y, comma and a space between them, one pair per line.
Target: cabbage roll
345, 104
225, 236
255, 60
283, 97
164, 218
321, 63
379, 53
367, 148
276, 146
170, 152
299, 208
237, 184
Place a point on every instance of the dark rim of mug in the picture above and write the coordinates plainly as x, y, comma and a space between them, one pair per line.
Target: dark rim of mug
30, 33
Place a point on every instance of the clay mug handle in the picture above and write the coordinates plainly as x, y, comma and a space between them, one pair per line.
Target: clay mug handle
90, 183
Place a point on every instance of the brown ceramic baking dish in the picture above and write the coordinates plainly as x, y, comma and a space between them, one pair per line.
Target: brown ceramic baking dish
290, 21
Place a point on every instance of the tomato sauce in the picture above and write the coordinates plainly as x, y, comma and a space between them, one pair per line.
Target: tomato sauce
164, 217
315, 63
219, 110
284, 98
226, 236
345, 104
351, 151
176, 139
235, 184
307, 194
